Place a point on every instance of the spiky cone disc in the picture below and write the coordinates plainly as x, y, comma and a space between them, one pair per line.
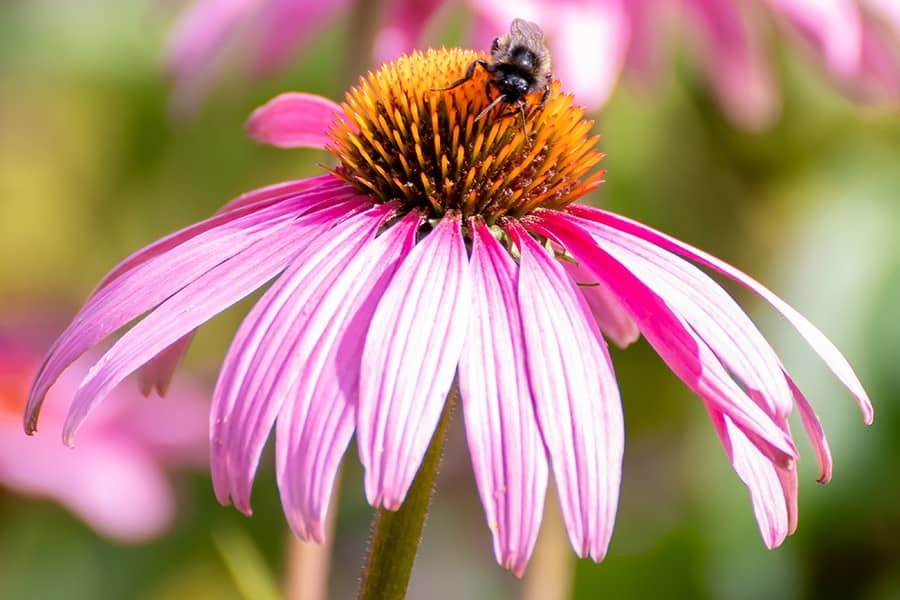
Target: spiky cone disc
405, 139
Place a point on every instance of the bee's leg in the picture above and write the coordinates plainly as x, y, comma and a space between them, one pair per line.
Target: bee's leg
470, 71
493, 103
549, 81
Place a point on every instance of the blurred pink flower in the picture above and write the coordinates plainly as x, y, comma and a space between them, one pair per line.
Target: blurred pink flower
114, 480
381, 297
592, 41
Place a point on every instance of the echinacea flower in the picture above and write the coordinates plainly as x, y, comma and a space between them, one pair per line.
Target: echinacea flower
445, 246
115, 480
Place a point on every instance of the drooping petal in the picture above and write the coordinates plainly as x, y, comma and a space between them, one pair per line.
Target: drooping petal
293, 120
282, 191
820, 344
245, 205
286, 24
204, 297
709, 310
201, 32
682, 350
613, 320
507, 450
401, 31
575, 394
735, 65
157, 374
815, 432
759, 475
145, 280
269, 352
833, 27
115, 486
409, 360
318, 417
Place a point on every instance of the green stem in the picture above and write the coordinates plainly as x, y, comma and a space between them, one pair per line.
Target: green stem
396, 535
363, 27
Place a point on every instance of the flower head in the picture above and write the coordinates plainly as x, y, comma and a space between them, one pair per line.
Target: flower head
445, 246
115, 480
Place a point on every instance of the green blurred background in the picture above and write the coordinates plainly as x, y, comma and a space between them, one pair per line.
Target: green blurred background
92, 167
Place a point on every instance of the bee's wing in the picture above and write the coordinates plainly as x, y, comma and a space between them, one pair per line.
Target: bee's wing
527, 31
530, 35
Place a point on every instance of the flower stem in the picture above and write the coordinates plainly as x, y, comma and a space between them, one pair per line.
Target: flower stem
363, 27
396, 535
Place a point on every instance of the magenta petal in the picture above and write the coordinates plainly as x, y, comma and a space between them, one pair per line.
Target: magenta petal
815, 432
270, 349
409, 360
157, 374
318, 417
612, 318
294, 120
285, 24
159, 371
710, 312
834, 28
145, 280
201, 32
734, 62
200, 300
508, 455
575, 394
282, 191
822, 345
682, 350
760, 476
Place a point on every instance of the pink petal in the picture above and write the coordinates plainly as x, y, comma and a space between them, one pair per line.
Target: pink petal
409, 360
508, 455
880, 69
281, 191
575, 395
759, 475
734, 63
709, 310
294, 120
613, 320
815, 432
157, 374
822, 345
789, 488
150, 276
204, 297
116, 487
682, 350
286, 24
574, 30
201, 33
268, 353
402, 29
318, 419
834, 27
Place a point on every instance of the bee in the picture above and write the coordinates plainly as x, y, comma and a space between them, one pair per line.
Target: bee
520, 65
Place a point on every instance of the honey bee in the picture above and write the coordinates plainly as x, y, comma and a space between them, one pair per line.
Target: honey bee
520, 65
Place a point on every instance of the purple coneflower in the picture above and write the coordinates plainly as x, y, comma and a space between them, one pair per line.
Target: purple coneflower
116, 480
443, 247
